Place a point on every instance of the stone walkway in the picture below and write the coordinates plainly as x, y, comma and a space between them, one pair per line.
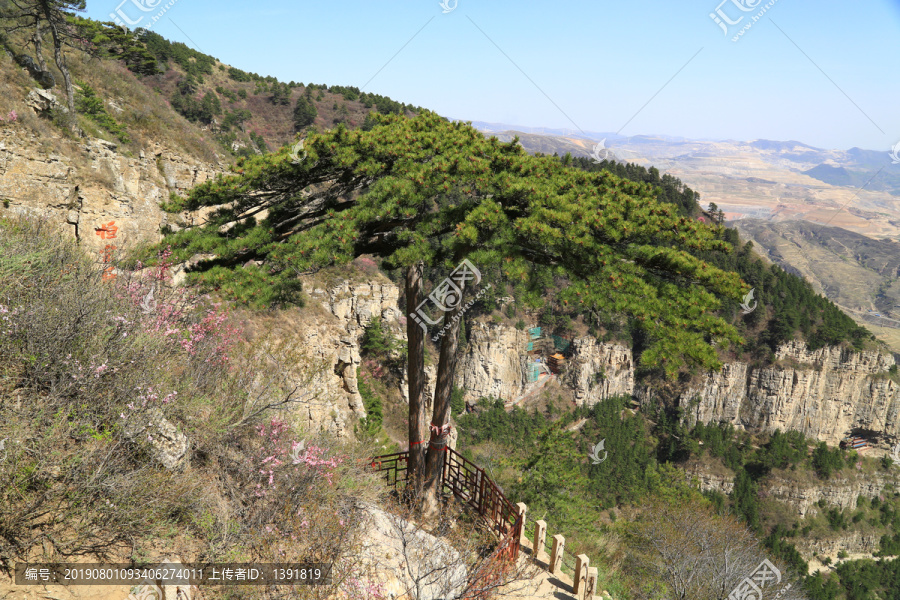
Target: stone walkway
543, 587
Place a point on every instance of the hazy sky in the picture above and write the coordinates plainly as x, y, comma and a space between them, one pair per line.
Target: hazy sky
824, 73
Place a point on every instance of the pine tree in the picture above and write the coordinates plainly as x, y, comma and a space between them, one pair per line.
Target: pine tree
430, 192
304, 112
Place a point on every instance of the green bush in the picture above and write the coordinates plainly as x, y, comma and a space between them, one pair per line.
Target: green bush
89, 104
826, 461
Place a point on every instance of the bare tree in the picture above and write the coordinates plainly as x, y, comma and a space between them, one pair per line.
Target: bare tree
688, 552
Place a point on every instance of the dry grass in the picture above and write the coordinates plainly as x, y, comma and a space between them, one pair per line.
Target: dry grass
76, 483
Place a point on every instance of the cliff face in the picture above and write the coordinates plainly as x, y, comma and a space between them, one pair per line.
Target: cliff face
493, 363
842, 491
94, 187
330, 340
599, 370
826, 394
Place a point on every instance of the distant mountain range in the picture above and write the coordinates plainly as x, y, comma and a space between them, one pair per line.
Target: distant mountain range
856, 189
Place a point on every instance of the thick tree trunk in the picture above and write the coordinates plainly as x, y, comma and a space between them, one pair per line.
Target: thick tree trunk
440, 440
38, 42
415, 336
59, 57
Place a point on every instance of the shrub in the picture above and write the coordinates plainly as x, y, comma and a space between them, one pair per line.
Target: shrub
88, 103
826, 460
376, 341
82, 354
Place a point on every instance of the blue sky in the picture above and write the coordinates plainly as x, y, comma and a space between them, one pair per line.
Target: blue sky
824, 73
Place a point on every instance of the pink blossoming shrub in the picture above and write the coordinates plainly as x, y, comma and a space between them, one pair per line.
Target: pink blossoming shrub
177, 313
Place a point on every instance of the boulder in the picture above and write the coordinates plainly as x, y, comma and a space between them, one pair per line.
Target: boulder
167, 445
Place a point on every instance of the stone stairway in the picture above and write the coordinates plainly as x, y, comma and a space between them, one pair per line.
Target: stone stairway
546, 586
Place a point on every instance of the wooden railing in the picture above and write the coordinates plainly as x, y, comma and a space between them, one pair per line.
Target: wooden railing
469, 484
474, 488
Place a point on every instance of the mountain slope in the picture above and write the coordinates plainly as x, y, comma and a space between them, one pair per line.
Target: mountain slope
859, 274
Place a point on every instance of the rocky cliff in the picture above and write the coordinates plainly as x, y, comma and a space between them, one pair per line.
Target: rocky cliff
329, 341
827, 394
98, 192
842, 491
599, 370
493, 363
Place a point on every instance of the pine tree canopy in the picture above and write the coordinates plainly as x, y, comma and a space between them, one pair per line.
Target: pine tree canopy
425, 189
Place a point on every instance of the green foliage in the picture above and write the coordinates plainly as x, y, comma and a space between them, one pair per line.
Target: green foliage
193, 62
515, 429
259, 141
434, 190
667, 188
826, 461
88, 103
821, 587
236, 119
836, 519
376, 341
785, 551
795, 308
184, 102
304, 113
240, 76
111, 41
370, 426
783, 450
457, 404
281, 94
744, 497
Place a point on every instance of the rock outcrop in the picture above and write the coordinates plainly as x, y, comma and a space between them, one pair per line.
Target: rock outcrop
101, 194
331, 344
841, 491
409, 562
168, 446
827, 394
493, 363
599, 370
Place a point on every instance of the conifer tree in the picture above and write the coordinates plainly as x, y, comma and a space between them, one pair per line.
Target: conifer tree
424, 191
52, 15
